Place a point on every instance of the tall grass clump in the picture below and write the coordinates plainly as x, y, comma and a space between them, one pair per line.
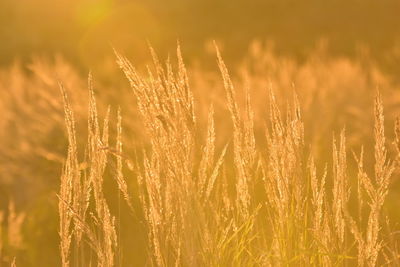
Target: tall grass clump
251, 200
83, 209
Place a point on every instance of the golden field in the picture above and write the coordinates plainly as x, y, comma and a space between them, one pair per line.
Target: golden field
264, 162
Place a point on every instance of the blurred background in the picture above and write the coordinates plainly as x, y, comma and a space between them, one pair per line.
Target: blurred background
82, 30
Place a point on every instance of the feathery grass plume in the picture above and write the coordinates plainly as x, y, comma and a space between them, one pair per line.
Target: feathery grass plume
383, 172
66, 186
245, 161
369, 240
170, 195
77, 186
75, 190
320, 227
215, 172
285, 184
207, 157
97, 154
341, 191
243, 140
122, 186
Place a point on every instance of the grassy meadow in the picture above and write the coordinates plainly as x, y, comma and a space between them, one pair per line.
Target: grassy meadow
268, 162
199, 133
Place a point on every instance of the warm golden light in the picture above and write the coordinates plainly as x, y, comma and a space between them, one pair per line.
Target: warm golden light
199, 133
